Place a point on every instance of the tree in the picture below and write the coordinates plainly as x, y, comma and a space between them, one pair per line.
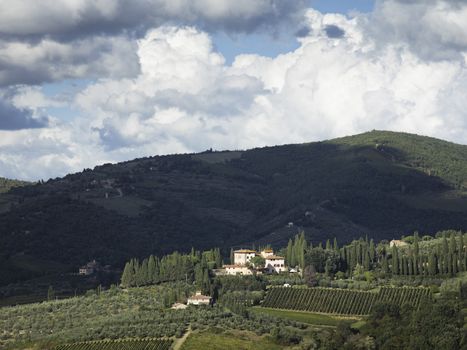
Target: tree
328, 245
384, 264
257, 261
395, 261
335, 245
127, 276
152, 273
50, 293
309, 276
432, 264
290, 254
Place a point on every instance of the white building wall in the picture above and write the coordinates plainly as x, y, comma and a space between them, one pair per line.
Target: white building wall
276, 265
243, 258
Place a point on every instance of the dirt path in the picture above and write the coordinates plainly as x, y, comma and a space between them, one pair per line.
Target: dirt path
179, 342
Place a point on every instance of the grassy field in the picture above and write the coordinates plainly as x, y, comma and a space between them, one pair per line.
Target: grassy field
231, 340
304, 317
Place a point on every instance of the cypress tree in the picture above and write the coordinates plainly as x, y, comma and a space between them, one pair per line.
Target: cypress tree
359, 254
462, 265
206, 286
455, 268
232, 255
410, 271
384, 264
445, 255
336, 247
416, 252
126, 276
433, 264
372, 251
151, 269
328, 245
50, 293
395, 261
289, 254
366, 263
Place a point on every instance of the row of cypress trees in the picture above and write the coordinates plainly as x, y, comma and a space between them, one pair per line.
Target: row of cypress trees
192, 267
445, 256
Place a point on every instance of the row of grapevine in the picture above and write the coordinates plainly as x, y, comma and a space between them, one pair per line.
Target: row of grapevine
340, 301
412, 296
121, 344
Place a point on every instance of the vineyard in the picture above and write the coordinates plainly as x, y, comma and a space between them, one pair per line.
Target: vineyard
340, 301
122, 344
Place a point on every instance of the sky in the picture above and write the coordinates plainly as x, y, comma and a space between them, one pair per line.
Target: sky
87, 82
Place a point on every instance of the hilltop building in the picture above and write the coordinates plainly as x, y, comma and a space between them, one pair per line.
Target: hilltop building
199, 299
266, 252
243, 256
275, 264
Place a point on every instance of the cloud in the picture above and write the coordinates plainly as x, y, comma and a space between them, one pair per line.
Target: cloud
184, 97
52, 40
65, 19
432, 29
13, 118
48, 60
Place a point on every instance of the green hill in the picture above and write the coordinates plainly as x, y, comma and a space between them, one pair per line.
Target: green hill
383, 184
7, 184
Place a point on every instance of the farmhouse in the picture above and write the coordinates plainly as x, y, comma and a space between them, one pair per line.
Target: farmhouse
199, 299
90, 268
243, 256
275, 264
397, 243
237, 270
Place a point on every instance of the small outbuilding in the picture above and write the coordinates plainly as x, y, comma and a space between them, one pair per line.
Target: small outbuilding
199, 299
179, 306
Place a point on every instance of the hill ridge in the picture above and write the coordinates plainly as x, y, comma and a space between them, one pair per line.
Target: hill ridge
378, 183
